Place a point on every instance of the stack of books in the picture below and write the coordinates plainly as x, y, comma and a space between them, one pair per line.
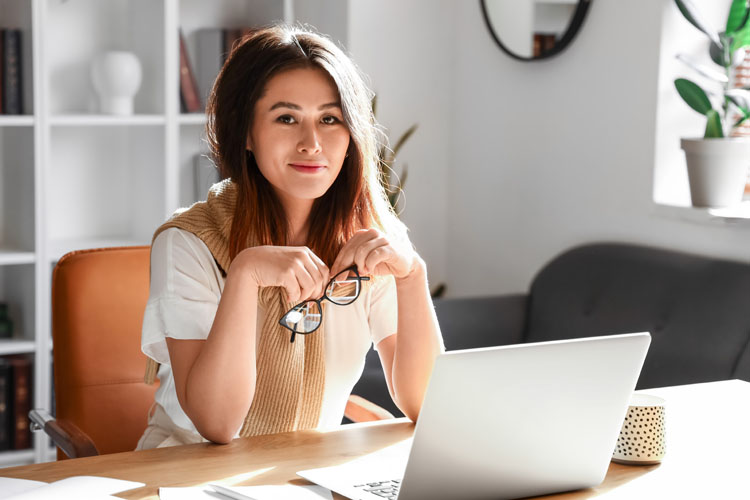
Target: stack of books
15, 402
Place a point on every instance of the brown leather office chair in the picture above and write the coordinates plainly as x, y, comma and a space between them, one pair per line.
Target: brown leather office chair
98, 300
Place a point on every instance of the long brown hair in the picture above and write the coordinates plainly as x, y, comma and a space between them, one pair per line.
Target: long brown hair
356, 200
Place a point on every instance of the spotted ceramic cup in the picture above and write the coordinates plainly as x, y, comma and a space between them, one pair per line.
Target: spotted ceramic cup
642, 436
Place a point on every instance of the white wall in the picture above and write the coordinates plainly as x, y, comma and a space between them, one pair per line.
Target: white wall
516, 162
406, 49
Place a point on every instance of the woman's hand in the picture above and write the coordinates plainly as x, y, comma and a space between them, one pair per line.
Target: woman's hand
297, 269
373, 252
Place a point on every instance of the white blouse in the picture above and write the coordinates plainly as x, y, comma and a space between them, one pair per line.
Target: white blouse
186, 285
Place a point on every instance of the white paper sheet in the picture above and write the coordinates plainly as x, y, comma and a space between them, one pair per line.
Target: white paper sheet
10, 486
72, 488
279, 492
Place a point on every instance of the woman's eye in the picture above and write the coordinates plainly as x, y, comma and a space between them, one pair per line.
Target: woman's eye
330, 120
288, 119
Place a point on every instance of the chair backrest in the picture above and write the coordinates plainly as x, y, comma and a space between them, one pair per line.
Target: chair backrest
98, 300
695, 308
470, 322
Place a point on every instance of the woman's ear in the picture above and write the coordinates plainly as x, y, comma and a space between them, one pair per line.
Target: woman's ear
249, 144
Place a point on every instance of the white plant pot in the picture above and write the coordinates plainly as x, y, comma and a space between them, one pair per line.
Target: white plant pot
116, 77
717, 170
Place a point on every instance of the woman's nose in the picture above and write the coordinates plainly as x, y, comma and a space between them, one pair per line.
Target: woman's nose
309, 142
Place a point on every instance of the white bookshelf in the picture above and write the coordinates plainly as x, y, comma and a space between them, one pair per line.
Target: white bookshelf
72, 178
16, 121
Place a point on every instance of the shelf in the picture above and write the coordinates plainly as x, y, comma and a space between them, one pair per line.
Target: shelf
192, 119
106, 120
12, 458
16, 346
50, 455
60, 247
16, 121
737, 214
12, 257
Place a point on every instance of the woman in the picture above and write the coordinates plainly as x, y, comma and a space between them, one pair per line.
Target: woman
292, 131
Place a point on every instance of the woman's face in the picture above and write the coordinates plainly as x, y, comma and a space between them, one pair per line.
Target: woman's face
298, 134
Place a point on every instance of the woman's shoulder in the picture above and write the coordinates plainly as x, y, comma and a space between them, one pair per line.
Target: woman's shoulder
177, 245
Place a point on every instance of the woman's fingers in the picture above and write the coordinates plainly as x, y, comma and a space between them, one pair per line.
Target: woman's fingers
288, 280
298, 270
364, 253
345, 258
377, 256
317, 269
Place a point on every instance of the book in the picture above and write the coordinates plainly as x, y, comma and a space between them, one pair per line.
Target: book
188, 86
2, 35
20, 389
210, 57
543, 42
4, 405
71, 487
231, 36
231, 39
11, 83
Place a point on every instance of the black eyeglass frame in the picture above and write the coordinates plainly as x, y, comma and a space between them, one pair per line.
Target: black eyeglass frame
325, 297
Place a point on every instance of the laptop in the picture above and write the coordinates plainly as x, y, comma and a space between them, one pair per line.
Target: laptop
506, 422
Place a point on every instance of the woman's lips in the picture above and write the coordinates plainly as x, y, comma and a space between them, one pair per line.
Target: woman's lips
308, 168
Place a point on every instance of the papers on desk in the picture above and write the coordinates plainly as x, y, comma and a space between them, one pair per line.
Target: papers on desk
282, 492
72, 488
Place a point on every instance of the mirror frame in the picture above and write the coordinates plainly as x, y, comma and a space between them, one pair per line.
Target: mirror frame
575, 25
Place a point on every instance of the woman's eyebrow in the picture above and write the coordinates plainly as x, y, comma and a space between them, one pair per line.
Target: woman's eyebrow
291, 105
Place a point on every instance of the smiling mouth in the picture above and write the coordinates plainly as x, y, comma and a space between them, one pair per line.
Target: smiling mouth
307, 167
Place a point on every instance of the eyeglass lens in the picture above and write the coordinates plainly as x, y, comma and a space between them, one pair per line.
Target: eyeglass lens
344, 288
304, 318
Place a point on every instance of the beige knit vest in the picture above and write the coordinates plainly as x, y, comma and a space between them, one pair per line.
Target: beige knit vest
290, 377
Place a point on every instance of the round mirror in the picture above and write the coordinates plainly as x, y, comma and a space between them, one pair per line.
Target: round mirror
534, 29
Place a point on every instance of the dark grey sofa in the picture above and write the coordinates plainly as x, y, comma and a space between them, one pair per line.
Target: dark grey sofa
696, 308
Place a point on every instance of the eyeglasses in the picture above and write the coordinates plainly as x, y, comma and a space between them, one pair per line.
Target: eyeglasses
307, 316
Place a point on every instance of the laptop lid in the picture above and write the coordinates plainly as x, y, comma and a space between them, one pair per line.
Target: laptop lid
522, 420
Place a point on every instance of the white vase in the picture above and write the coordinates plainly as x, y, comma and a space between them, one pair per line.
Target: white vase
116, 76
717, 170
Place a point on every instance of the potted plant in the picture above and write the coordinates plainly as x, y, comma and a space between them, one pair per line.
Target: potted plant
717, 164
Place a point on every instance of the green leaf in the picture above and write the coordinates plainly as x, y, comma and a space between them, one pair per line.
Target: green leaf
738, 97
717, 55
703, 70
403, 176
693, 95
713, 126
737, 24
737, 18
690, 13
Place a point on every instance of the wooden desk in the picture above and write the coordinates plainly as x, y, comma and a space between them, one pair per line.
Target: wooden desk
708, 439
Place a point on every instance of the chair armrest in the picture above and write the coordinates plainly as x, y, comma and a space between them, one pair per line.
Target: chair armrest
64, 434
358, 409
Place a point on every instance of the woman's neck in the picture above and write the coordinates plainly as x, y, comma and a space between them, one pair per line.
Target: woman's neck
298, 215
